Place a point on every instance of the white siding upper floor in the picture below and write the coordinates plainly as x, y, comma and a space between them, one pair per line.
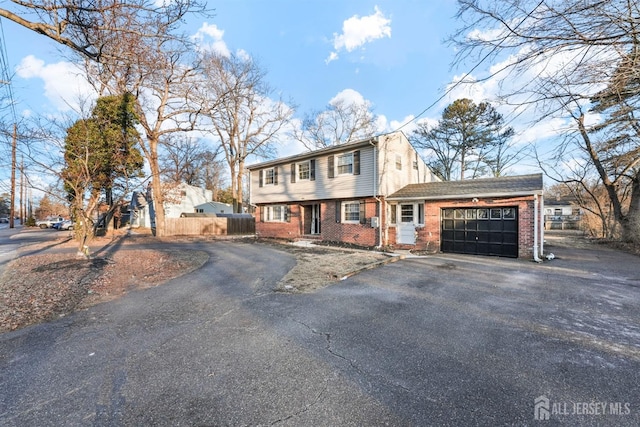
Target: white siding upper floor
399, 164
375, 167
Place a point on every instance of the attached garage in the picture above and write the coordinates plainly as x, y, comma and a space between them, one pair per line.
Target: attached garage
491, 216
480, 231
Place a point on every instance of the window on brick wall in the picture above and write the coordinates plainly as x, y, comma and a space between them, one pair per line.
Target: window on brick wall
276, 213
351, 211
393, 214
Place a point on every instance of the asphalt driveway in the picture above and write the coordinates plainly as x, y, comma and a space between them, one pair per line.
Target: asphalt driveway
442, 340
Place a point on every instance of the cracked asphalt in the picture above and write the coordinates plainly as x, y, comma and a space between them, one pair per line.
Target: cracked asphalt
441, 340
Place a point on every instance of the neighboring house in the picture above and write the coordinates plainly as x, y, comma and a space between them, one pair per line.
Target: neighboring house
562, 214
378, 192
178, 199
336, 193
214, 208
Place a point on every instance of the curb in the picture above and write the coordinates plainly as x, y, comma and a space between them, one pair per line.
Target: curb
392, 258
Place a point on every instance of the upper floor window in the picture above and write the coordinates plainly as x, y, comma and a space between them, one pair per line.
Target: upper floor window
304, 170
398, 162
268, 177
345, 163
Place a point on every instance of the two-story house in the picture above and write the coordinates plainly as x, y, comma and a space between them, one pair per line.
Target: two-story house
379, 192
336, 193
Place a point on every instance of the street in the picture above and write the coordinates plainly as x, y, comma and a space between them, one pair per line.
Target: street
440, 340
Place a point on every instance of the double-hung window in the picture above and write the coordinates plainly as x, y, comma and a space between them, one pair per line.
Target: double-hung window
269, 176
351, 211
276, 213
345, 163
303, 171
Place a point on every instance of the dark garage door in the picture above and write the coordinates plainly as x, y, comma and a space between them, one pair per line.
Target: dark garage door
480, 231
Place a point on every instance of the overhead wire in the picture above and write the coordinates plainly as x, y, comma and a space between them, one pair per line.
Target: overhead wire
468, 73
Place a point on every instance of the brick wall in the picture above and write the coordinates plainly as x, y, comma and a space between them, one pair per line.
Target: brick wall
429, 235
281, 230
357, 234
330, 230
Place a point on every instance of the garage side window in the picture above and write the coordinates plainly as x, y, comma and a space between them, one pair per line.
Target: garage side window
393, 214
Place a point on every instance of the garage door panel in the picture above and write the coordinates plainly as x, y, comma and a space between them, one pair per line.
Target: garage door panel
511, 226
509, 238
480, 231
495, 225
484, 236
483, 225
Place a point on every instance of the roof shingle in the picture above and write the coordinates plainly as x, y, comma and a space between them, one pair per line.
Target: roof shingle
484, 187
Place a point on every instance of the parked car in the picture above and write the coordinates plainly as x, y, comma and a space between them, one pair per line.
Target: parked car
48, 223
67, 224
4, 220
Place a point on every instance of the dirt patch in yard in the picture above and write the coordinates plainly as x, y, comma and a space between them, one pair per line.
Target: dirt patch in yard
318, 267
37, 288
48, 285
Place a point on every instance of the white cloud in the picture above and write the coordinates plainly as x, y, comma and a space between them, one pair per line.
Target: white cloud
209, 37
357, 31
64, 84
349, 96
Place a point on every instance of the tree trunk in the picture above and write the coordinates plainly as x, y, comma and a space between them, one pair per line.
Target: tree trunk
239, 183
604, 177
234, 187
156, 189
630, 224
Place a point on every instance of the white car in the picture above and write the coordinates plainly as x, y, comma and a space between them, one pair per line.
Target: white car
48, 223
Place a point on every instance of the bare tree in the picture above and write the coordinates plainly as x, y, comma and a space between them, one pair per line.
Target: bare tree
570, 59
90, 28
130, 47
339, 122
245, 120
187, 160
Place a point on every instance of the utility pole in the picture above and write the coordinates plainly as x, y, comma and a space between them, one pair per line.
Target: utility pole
22, 192
14, 144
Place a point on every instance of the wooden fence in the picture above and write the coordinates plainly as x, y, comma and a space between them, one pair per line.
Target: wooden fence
209, 226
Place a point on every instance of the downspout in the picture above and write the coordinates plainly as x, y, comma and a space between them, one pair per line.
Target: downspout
373, 143
535, 229
542, 225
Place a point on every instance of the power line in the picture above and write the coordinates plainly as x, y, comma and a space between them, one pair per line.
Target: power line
468, 73
5, 77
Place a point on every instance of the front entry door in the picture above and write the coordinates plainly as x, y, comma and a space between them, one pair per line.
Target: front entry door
406, 226
315, 219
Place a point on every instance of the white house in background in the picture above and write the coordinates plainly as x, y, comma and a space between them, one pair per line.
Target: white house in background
178, 199
214, 208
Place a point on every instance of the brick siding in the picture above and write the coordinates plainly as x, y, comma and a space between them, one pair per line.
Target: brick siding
330, 230
428, 237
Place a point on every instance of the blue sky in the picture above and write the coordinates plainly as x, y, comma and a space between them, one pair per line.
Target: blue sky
388, 52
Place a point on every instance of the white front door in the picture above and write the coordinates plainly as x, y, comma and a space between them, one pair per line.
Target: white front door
406, 226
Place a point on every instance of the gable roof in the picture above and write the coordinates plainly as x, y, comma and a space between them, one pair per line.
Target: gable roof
519, 185
315, 153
